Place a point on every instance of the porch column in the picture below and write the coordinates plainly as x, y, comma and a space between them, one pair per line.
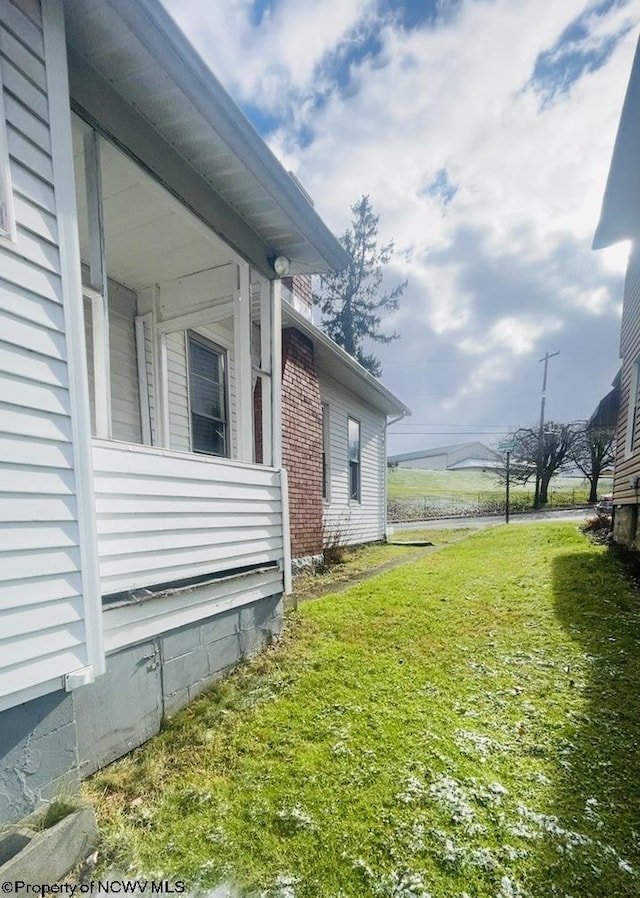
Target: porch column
97, 292
276, 377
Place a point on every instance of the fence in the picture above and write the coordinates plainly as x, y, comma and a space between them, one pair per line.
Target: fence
432, 506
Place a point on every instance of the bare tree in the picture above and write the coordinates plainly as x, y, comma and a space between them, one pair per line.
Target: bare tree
592, 451
557, 443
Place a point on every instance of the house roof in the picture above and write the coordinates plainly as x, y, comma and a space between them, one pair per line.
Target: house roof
442, 450
620, 215
343, 368
467, 464
606, 412
129, 64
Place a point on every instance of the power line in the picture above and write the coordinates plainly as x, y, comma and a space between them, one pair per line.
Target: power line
451, 433
467, 425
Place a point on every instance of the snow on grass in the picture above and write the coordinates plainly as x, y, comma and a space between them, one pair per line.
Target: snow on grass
465, 727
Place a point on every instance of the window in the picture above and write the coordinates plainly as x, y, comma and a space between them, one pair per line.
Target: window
354, 459
207, 396
7, 222
325, 452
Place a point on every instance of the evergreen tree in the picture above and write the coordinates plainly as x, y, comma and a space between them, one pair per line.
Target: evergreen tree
351, 300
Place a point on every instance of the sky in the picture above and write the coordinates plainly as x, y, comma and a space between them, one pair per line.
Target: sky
482, 131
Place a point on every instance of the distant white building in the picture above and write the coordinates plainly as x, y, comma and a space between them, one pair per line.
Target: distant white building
459, 457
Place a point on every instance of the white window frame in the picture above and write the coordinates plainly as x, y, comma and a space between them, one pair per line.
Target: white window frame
632, 409
222, 352
357, 498
7, 212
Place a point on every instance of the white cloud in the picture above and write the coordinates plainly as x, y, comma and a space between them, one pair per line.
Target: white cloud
276, 60
505, 266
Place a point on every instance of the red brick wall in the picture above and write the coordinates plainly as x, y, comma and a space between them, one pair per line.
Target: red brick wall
301, 287
302, 442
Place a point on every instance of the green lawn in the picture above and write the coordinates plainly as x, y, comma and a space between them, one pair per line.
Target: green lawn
361, 559
413, 493
466, 725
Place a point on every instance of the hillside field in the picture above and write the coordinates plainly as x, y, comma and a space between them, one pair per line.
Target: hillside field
414, 493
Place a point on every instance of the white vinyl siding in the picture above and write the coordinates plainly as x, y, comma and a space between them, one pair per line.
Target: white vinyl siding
150, 377
178, 385
125, 394
125, 399
165, 516
353, 521
128, 623
42, 606
7, 220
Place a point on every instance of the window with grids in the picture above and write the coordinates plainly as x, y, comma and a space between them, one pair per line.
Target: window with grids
354, 459
208, 396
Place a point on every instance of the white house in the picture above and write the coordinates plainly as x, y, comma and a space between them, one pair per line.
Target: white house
144, 535
335, 416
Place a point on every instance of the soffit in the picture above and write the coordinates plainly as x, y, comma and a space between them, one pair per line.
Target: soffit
337, 364
138, 51
620, 215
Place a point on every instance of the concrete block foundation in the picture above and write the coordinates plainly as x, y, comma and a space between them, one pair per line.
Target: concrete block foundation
625, 525
50, 743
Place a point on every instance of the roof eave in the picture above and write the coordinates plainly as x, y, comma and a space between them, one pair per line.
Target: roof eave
157, 31
381, 397
620, 213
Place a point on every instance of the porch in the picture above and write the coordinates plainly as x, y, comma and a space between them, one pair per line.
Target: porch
182, 339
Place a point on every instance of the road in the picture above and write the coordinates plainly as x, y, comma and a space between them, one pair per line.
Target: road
531, 517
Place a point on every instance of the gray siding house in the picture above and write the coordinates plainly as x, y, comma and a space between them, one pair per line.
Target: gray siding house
145, 543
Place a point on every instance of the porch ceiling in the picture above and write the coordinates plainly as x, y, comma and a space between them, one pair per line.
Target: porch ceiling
149, 236
137, 52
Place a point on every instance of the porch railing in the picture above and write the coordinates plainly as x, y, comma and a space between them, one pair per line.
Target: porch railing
164, 516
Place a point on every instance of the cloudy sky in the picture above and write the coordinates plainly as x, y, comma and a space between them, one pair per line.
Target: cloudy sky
482, 131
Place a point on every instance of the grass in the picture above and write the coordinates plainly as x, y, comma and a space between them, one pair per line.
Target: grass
413, 493
363, 559
463, 726
439, 537
55, 812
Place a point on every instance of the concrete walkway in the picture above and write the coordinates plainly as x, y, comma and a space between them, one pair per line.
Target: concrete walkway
478, 523
324, 589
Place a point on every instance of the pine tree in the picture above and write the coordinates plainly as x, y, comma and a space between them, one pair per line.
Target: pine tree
351, 300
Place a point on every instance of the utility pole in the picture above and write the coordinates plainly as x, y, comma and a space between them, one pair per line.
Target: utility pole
506, 512
547, 356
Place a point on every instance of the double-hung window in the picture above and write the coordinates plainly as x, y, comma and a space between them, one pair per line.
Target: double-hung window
208, 396
354, 459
